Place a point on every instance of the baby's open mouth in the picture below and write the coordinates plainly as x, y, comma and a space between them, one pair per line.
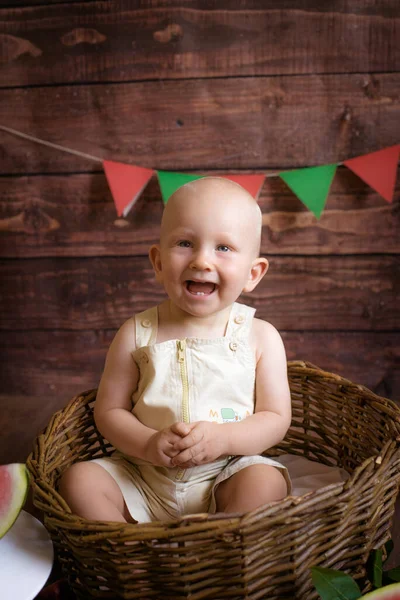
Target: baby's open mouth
200, 288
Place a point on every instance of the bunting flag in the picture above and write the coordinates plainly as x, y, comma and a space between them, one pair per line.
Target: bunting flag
251, 183
378, 169
170, 182
311, 185
126, 183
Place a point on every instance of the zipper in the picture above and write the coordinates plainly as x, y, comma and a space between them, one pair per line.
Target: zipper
181, 346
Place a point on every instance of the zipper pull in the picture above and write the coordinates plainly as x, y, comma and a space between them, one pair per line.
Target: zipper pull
181, 344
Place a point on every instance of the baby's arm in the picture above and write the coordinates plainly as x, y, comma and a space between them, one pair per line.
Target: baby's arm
258, 432
113, 406
273, 412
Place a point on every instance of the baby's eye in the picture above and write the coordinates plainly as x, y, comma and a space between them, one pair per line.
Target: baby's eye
184, 244
223, 248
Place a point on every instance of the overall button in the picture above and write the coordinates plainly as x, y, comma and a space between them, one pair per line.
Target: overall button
233, 346
146, 323
239, 319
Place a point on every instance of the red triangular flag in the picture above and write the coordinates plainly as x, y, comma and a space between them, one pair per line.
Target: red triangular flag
126, 183
378, 169
251, 183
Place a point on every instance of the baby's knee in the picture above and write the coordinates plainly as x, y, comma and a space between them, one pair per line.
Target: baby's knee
77, 477
271, 482
250, 488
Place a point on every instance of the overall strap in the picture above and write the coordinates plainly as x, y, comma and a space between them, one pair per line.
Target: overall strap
146, 327
240, 321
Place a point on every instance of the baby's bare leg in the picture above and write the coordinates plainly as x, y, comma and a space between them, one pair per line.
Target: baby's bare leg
250, 488
92, 493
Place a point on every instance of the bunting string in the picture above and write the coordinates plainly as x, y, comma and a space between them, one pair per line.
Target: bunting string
50, 144
310, 184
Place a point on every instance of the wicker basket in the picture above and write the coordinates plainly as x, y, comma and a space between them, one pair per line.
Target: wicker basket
263, 554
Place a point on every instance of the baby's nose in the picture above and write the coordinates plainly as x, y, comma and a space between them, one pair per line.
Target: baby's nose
200, 261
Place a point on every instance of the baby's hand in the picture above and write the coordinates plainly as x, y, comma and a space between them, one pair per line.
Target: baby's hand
160, 448
201, 445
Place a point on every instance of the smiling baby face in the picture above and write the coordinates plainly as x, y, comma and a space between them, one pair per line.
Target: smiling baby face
209, 244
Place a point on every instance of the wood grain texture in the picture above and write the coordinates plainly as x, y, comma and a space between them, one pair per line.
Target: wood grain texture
83, 42
56, 365
22, 418
257, 123
74, 215
298, 292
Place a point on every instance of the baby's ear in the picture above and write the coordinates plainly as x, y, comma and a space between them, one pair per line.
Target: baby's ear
258, 269
155, 259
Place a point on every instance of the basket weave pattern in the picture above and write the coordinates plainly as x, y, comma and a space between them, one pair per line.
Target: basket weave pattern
263, 554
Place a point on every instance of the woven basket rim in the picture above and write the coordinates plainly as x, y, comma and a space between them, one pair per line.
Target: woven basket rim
305, 365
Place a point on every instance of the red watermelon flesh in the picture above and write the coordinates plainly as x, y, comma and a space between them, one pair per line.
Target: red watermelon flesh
389, 592
14, 483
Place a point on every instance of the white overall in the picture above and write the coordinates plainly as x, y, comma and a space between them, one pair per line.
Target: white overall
187, 380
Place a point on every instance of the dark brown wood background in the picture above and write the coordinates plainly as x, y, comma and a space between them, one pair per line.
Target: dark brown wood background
198, 86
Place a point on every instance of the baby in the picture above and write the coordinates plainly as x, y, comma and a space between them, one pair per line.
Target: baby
195, 389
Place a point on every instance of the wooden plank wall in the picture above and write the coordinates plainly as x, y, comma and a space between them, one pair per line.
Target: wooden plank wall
195, 86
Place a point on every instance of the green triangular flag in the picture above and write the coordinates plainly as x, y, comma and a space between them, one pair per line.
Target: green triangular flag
311, 185
170, 182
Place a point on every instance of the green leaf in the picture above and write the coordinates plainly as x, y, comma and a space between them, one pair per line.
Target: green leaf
334, 585
393, 574
374, 568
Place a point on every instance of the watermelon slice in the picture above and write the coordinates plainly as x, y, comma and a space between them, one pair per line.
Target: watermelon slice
388, 592
14, 484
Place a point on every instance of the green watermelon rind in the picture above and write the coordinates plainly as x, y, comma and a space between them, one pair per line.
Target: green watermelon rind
20, 480
385, 593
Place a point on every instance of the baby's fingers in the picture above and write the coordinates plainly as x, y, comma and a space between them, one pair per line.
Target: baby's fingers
194, 437
187, 456
184, 443
181, 429
170, 451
